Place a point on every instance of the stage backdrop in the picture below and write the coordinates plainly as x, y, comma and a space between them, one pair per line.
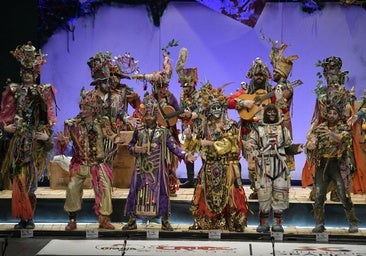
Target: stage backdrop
222, 48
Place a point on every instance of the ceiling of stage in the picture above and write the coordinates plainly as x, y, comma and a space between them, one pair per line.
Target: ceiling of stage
54, 15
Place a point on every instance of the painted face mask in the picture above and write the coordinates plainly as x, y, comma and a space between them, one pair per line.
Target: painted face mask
216, 110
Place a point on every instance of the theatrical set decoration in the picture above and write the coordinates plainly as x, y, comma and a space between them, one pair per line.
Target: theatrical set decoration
55, 15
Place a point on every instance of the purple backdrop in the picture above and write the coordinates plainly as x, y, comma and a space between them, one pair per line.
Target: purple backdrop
222, 49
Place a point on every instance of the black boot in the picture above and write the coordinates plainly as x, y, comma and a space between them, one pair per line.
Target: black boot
334, 196
165, 224
131, 224
20, 225
319, 219
353, 220
190, 176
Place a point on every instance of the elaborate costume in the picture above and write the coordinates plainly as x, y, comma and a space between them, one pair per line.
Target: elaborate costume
189, 105
268, 147
282, 67
27, 117
88, 132
168, 104
94, 140
113, 103
249, 101
329, 145
149, 190
331, 94
219, 199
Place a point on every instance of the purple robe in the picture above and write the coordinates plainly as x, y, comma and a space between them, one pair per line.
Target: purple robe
149, 190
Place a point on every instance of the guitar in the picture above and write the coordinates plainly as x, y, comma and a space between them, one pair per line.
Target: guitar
261, 98
168, 116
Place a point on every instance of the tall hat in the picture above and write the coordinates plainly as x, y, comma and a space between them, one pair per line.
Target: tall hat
29, 58
258, 67
100, 67
187, 76
281, 63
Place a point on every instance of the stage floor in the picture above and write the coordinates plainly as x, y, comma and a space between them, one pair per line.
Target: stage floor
298, 196
300, 206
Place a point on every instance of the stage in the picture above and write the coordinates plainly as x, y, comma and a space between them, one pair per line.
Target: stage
51, 219
50, 222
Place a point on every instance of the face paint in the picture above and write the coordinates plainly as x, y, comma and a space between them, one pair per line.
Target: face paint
216, 110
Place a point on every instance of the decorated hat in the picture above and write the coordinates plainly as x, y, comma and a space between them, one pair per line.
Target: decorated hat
187, 76
29, 58
332, 63
100, 67
149, 105
210, 96
281, 64
258, 67
332, 69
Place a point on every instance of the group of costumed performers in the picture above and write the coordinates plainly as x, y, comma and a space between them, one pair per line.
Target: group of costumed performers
263, 136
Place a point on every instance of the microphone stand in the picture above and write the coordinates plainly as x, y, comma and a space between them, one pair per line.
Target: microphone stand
124, 248
273, 246
4, 245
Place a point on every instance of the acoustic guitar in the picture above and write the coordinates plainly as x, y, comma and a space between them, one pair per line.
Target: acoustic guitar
261, 98
168, 116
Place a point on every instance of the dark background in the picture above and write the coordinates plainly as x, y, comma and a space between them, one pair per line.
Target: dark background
18, 26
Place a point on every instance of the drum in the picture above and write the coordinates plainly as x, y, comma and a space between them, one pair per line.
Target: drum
123, 163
